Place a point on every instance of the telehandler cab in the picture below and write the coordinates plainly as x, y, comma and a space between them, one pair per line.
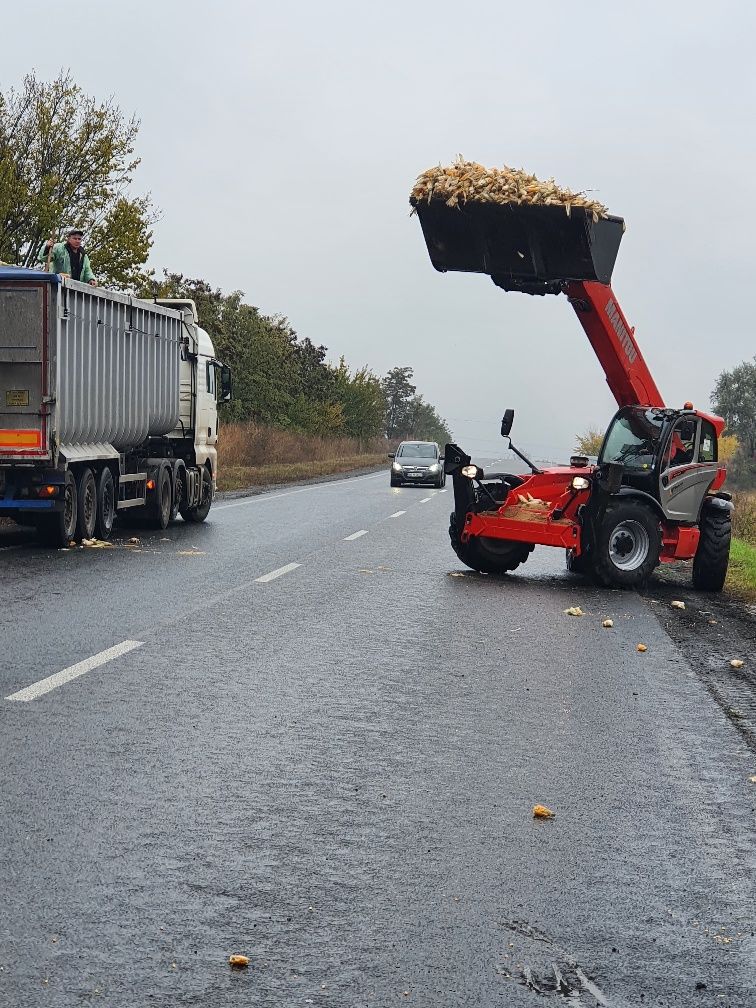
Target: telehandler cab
655, 494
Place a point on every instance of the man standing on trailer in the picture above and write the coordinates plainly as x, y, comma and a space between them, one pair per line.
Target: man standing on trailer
68, 258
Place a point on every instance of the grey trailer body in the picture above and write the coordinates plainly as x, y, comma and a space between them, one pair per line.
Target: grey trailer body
99, 387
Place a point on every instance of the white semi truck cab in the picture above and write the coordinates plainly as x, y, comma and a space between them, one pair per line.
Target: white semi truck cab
107, 403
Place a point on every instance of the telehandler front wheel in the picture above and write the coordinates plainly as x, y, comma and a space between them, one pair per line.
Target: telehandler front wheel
628, 545
713, 553
489, 556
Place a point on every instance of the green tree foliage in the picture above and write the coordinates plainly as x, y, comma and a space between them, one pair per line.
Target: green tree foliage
362, 401
408, 416
399, 393
67, 159
734, 398
589, 443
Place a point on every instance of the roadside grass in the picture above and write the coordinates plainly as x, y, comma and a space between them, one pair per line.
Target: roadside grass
251, 454
232, 477
744, 517
741, 574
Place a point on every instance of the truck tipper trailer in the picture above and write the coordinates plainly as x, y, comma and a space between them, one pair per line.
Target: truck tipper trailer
108, 406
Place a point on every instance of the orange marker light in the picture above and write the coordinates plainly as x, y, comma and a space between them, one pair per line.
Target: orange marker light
688, 405
47, 491
150, 484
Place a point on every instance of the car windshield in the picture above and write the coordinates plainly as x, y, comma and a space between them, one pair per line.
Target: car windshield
417, 451
633, 439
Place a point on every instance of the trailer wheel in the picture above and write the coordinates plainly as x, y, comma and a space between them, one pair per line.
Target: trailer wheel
59, 528
106, 504
713, 553
163, 499
489, 556
628, 545
86, 505
200, 512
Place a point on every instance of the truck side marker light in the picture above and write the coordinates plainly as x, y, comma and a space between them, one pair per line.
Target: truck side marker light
150, 484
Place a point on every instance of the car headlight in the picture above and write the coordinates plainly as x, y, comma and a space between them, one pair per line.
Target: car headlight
396, 467
433, 468
580, 483
472, 472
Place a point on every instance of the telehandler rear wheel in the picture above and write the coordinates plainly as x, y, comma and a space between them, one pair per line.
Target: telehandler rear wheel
713, 553
489, 556
628, 545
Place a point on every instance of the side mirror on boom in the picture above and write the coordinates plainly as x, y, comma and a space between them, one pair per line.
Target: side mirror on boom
506, 422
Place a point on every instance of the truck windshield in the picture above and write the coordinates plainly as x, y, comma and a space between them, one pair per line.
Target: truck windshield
633, 439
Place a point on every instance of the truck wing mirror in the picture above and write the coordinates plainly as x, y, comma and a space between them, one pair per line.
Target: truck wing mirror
226, 384
506, 422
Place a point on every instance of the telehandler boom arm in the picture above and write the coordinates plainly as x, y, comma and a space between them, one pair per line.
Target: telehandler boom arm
627, 373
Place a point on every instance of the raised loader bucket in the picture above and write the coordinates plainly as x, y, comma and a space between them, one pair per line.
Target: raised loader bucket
529, 248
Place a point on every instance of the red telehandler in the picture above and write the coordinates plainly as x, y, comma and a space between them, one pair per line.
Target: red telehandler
656, 493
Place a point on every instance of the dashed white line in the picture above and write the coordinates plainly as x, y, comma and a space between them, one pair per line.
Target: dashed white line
444, 491
277, 573
355, 535
396, 514
425, 500
38, 689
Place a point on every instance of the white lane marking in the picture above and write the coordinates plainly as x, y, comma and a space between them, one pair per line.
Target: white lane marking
290, 493
425, 500
38, 689
355, 535
397, 513
277, 573
443, 491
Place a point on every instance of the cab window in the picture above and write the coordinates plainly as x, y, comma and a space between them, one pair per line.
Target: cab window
682, 444
210, 377
707, 451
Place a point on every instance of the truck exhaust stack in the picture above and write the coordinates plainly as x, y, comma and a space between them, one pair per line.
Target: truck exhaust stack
534, 249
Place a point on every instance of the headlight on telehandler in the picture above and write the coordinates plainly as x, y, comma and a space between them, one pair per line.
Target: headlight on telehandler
472, 472
580, 483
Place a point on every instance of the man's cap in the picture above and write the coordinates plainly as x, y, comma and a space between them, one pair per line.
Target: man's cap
74, 231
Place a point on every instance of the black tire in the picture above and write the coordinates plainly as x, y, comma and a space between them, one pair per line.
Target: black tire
440, 482
106, 504
59, 528
395, 483
163, 499
713, 553
576, 564
200, 512
86, 505
489, 556
178, 491
628, 545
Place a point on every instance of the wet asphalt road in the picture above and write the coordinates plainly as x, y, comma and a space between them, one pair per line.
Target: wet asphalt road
333, 772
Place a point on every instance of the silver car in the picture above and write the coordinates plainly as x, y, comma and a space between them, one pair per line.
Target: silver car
417, 462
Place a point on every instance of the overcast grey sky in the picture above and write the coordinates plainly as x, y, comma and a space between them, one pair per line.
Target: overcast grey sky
281, 140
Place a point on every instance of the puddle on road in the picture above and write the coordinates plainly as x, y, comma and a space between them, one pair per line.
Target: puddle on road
533, 960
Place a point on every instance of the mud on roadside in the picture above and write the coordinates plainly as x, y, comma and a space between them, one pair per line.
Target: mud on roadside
710, 632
